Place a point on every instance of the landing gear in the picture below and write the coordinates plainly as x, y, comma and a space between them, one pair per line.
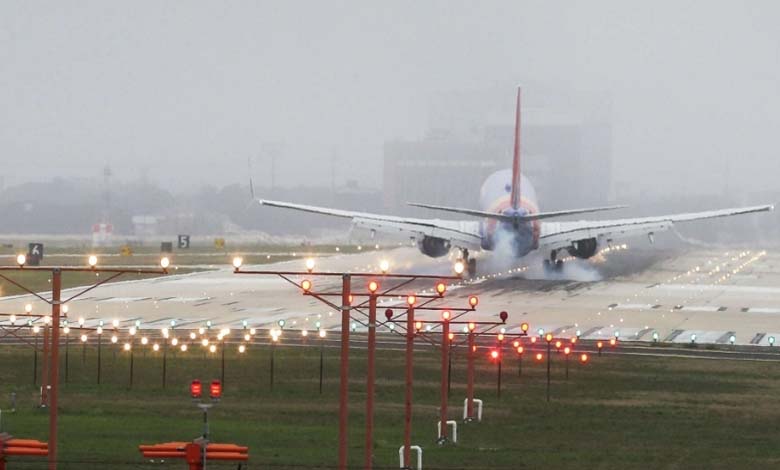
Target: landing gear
553, 264
471, 263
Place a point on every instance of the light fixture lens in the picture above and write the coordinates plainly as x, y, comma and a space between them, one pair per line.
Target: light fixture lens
459, 267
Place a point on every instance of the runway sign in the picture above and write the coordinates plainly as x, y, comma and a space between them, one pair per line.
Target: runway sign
34, 254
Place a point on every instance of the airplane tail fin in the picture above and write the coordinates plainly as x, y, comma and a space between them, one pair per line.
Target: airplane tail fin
253, 198
516, 173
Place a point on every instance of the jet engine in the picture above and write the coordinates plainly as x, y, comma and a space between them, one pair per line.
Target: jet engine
583, 248
434, 247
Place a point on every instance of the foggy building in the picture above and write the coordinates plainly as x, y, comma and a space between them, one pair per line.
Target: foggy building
566, 150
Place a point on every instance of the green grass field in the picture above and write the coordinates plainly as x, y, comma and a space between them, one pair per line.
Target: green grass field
616, 412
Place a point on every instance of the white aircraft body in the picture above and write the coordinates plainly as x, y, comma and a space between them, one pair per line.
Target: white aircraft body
510, 217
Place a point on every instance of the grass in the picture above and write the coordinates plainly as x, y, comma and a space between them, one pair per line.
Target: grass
616, 412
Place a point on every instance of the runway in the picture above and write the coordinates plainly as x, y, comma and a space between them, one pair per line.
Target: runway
680, 296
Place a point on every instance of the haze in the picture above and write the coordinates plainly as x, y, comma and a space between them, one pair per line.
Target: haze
185, 93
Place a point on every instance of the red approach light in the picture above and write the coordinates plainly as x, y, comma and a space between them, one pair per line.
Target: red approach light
599, 345
418, 326
445, 315
494, 354
351, 299
451, 336
583, 358
539, 356
612, 342
516, 343
473, 300
411, 300
500, 336
472, 326
503, 316
388, 314
215, 390
524, 327
520, 350
567, 350
573, 340
558, 344
196, 389
373, 286
441, 288
533, 339
306, 285
548, 338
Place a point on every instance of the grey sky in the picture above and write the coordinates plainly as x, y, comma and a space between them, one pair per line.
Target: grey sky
185, 92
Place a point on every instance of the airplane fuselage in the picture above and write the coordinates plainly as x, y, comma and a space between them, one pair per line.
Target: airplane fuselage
520, 238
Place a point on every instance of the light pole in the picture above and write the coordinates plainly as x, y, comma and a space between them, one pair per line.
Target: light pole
549, 339
35, 330
322, 357
274, 339
371, 375
450, 337
470, 373
445, 375
84, 342
410, 333
66, 330
500, 361
132, 356
99, 352
222, 365
45, 366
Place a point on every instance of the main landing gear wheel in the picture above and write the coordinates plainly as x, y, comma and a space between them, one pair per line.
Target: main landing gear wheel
553, 264
471, 263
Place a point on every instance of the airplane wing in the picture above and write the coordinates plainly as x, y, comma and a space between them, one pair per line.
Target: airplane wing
463, 234
556, 235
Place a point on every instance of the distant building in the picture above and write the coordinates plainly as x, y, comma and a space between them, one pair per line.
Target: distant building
145, 226
566, 150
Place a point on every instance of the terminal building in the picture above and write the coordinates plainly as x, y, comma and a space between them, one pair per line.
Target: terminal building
566, 150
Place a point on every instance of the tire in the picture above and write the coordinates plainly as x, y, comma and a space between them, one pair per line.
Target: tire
472, 267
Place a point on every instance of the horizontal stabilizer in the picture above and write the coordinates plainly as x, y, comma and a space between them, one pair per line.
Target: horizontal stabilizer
511, 218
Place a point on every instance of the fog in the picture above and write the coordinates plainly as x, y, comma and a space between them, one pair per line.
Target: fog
185, 94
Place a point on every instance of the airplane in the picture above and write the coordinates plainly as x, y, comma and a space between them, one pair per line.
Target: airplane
510, 217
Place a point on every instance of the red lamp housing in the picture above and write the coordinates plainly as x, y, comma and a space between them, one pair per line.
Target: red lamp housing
196, 389
215, 390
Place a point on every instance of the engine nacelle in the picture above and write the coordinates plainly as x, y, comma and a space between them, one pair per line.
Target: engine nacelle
434, 247
583, 248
